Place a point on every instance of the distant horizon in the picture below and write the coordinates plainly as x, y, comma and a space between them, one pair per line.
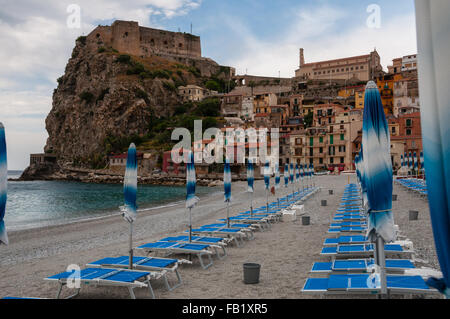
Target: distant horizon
260, 38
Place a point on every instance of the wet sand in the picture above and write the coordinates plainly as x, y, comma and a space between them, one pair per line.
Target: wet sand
286, 252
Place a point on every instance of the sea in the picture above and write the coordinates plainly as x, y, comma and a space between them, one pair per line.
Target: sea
32, 204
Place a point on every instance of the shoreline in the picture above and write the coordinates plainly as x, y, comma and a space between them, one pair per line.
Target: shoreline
108, 214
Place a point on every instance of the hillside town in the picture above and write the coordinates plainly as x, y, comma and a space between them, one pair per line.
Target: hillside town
319, 112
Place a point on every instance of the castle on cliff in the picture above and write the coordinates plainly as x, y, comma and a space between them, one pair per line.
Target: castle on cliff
130, 38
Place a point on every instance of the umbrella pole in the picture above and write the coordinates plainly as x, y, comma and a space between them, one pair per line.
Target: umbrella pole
267, 200
228, 214
131, 246
251, 204
190, 224
381, 261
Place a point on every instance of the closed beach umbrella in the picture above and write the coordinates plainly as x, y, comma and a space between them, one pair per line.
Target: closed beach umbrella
191, 199
291, 173
227, 187
130, 185
378, 175
250, 182
410, 161
297, 173
415, 161
286, 175
434, 77
401, 161
267, 175
250, 177
422, 163
267, 181
129, 210
277, 177
3, 184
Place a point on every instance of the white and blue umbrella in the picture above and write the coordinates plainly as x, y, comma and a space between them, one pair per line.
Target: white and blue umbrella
405, 159
401, 161
301, 175
410, 161
277, 176
378, 175
130, 185
3, 185
250, 183
129, 210
416, 164
377, 165
191, 199
297, 174
286, 175
422, 162
227, 187
291, 173
267, 181
250, 177
434, 77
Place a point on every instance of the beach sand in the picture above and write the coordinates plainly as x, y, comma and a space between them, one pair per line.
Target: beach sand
285, 253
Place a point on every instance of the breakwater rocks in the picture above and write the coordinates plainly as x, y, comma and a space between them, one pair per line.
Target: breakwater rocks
54, 173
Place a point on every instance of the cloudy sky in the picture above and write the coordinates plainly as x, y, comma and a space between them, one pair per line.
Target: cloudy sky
261, 37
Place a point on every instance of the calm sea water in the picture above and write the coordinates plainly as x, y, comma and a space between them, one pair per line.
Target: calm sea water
41, 203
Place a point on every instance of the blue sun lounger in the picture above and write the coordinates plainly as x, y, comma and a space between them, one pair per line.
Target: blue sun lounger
169, 248
235, 234
146, 264
130, 279
361, 250
360, 266
346, 229
222, 242
359, 284
355, 239
249, 220
246, 228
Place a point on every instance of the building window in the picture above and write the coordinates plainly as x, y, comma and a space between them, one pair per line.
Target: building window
408, 131
342, 137
320, 139
320, 160
320, 150
408, 122
331, 139
342, 160
331, 160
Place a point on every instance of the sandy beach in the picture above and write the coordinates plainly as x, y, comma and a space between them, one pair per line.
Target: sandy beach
286, 252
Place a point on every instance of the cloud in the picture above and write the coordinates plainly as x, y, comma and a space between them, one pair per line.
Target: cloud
36, 45
324, 32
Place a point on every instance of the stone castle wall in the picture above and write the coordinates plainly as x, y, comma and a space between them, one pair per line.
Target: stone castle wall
129, 37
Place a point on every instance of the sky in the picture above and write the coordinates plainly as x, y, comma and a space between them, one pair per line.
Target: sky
258, 37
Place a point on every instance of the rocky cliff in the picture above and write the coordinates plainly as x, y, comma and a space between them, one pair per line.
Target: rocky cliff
106, 94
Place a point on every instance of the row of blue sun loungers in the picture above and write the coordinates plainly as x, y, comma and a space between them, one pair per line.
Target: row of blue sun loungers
206, 242
350, 265
414, 184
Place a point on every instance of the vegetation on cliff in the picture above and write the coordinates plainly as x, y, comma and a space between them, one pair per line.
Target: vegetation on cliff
105, 100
